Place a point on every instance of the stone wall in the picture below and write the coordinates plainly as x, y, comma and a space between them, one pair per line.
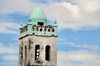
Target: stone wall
31, 42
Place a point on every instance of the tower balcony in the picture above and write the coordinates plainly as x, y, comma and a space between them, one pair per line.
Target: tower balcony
43, 29
38, 29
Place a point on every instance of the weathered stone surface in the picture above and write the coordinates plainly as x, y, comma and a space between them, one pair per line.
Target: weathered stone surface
30, 42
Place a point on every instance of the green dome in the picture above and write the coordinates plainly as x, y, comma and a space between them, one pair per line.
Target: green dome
38, 13
38, 16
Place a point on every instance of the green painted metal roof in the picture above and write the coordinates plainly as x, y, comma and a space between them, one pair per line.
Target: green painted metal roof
36, 17
38, 13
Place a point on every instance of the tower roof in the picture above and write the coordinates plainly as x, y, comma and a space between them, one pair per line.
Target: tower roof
38, 14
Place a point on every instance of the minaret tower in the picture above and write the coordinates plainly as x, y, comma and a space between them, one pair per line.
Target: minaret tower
38, 41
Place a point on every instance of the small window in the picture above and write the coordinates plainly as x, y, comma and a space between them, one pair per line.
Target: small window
44, 29
37, 29
37, 52
25, 52
48, 30
21, 55
53, 30
21, 61
47, 53
40, 23
41, 29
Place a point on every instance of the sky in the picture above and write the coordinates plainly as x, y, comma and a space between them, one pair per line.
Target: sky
78, 29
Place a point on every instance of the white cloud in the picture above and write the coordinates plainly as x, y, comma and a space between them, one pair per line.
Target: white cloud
88, 5
78, 58
9, 49
10, 6
13, 63
9, 54
84, 14
72, 8
61, 39
10, 57
93, 47
9, 27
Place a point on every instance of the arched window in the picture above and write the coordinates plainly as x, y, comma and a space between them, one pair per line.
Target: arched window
37, 52
53, 30
37, 29
40, 23
25, 52
41, 29
49, 30
47, 53
21, 55
34, 27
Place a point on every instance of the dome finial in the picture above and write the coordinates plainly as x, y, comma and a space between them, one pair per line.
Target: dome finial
37, 3
55, 22
21, 24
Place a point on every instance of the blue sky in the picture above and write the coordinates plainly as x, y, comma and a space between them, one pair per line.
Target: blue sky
79, 29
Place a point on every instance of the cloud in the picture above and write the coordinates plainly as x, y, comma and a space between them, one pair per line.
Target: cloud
8, 54
10, 57
61, 39
9, 27
78, 58
13, 63
93, 47
9, 49
88, 5
11, 6
75, 15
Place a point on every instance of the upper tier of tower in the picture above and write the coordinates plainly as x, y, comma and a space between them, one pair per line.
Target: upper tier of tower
38, 25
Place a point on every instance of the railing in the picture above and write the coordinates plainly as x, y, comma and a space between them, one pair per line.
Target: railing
38, 28
48, 28
24, 29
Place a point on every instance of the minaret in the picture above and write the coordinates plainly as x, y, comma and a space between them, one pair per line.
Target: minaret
38, 41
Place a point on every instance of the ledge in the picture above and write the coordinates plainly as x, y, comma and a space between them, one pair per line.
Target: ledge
35, 34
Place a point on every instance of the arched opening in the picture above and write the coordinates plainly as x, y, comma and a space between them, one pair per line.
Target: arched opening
25, 52
45, 29
47, 53
37, 29
53, 30
49, 30
40, 23
34, 27
37, 52
21, 55
41, 29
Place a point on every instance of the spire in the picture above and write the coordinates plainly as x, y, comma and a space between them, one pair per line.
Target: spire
37, 3
55, 23
21, 24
